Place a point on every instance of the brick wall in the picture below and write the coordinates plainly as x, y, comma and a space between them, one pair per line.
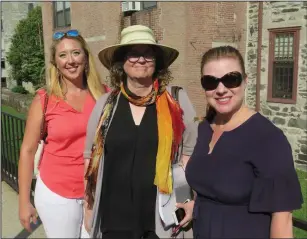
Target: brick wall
190, 27
98, 23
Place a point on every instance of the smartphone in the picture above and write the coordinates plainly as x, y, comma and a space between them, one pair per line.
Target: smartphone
179, 214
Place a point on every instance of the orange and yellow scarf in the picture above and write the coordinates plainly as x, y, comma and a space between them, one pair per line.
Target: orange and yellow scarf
170, 131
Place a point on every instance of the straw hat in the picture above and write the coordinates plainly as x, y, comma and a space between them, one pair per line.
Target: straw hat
133, 35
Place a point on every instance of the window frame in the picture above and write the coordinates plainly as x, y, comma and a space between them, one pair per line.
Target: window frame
3, 82
296, 39
148, 8
3, 63
55, 14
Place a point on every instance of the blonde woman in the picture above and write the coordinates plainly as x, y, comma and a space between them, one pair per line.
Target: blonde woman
73, 87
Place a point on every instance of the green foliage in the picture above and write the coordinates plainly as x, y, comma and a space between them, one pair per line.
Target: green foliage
26, 53
12, 111
302, 213
20, 89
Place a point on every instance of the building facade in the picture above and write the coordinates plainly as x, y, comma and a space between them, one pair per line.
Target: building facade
11, 14
282, 68
190, 27
276, 84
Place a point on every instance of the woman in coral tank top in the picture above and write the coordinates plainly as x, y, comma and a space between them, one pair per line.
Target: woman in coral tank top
73, 87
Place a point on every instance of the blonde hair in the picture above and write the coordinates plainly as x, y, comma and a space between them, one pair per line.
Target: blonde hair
217, 53
91, 77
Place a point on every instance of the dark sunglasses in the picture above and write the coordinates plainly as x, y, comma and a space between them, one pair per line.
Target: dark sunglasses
134, 57
230, 80
70, 33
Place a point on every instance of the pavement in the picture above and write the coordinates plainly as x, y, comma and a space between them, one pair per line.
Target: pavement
11, 227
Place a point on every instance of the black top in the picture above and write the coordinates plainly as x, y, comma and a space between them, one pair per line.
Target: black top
249, 175
128, 192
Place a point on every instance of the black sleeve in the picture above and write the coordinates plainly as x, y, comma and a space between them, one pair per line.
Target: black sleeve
276, 187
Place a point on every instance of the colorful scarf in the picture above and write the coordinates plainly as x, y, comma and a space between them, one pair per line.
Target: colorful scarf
170, 131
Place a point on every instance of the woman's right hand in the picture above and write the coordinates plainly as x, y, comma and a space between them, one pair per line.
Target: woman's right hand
87, 217
27, 214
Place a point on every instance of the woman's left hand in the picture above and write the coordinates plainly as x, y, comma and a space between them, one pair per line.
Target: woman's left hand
188, 208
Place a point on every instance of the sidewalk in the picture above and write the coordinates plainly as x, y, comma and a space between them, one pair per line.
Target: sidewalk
11, 227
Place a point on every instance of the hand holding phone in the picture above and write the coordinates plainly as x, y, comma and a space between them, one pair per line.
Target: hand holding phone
179, 214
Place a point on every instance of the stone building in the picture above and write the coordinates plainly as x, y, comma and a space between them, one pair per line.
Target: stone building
11, 14
190, 27
281, 50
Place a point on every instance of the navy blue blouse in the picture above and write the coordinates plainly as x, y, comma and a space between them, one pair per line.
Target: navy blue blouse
249, 175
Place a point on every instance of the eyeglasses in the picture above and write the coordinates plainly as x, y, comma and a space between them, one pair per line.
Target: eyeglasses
134, 57
70, 33
230, 80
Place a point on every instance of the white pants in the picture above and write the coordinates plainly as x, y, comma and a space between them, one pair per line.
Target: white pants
61, 217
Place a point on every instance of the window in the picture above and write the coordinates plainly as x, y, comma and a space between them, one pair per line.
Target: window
3, 82
2, 64
30, 7
61, 14
283, 64
147, 5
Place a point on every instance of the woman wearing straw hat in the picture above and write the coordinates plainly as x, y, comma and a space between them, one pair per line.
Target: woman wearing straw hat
133, 136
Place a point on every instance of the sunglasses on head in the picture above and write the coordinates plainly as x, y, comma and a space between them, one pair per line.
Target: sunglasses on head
70, 33
230, 80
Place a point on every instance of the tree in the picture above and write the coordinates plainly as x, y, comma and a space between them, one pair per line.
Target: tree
26, 53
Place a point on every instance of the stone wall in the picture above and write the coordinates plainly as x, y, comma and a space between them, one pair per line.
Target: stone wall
291, 118
17, 101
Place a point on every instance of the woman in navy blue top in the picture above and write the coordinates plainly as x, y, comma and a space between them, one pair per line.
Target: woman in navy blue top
242, 167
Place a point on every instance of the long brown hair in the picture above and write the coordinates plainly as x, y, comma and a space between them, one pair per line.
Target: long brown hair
217, 53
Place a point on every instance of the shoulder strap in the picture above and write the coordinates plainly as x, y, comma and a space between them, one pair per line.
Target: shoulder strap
175, 92
43, 134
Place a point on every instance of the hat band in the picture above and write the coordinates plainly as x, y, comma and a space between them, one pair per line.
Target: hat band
138, 37
140, 41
